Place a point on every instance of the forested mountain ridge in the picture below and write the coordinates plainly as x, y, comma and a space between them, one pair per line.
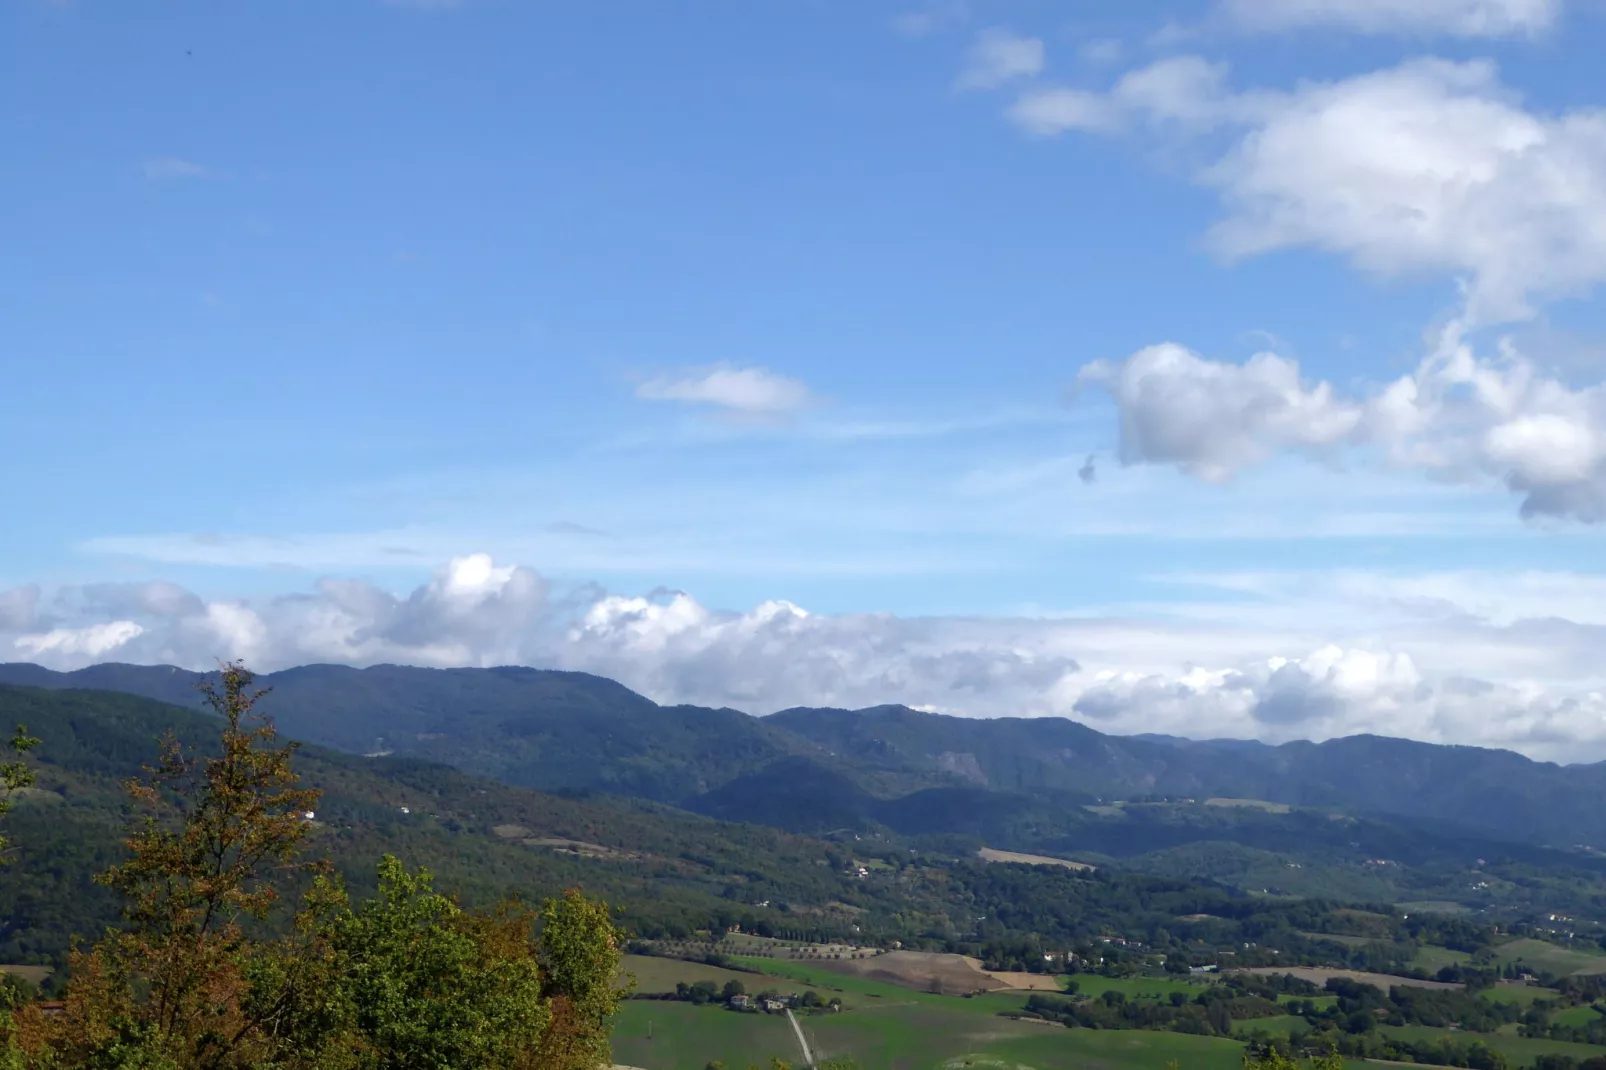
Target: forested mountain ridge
563, 731
666, 869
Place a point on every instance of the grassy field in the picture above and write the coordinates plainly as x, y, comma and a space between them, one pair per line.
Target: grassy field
1434, 959
988, 854
1347, 941
1433, 906
1548, 958
1283, 1025
1519, 994
655, 974
36, 974
1320, 975
1575, 1017
1251, 804
1522, 1051
1090, 984
914, 1032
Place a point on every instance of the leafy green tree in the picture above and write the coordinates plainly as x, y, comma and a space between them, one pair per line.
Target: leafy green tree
423, 992
15, 775
579, 955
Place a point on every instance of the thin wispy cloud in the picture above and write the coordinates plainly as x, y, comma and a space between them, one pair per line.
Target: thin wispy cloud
746, 391
164, 168
998, 57
1459, 18
922, 22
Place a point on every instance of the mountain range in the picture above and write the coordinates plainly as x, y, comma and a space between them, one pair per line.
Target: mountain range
917, 772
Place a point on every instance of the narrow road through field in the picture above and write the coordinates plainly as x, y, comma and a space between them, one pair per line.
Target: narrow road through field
808, 1056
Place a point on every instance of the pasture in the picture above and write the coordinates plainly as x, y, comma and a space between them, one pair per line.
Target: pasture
923, 971
654, 974
988, 854
1519, 994
1433, 959
899, 1029
1545, 957
1522, 1051
1320, 975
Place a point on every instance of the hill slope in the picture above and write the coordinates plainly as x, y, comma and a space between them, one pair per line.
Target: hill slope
826, 768
670, 871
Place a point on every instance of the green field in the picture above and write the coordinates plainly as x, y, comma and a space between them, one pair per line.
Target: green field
654, 974
1522, 1051
934, 1033
1575, 1017
1432, 906
902, 1029
1282, 1025
1519, 994
888, 1026
1434, 959
1090, 984
1347, 941
1548, 958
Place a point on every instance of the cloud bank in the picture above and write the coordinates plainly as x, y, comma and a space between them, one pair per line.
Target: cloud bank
1447, 677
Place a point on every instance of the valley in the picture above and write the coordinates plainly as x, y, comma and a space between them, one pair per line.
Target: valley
1037, 926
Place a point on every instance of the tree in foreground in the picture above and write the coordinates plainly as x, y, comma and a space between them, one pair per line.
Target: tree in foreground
407, 981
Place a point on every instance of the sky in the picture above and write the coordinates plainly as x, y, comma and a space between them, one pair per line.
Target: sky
1221, 368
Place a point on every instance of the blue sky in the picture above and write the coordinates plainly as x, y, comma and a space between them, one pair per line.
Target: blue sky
854, 308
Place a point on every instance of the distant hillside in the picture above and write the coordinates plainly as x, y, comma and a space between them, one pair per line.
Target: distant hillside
528, 727
1488, 792
670, 871
827, 768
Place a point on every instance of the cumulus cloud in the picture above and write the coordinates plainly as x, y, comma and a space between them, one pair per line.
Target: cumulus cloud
1211, 419
1334, 691
1463, 18
999, 57
750, 391
72, 644
1431, 167
1457, 416
780, 655
1440, 671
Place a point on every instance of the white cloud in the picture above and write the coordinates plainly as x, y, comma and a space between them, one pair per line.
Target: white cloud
1427, 168
169, 167
1212, 419
1463, 18
1467, 658
1050, 112
93, 641
19, 608
751, 391
999, 57
1334, 691
1456, 416
927, 21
